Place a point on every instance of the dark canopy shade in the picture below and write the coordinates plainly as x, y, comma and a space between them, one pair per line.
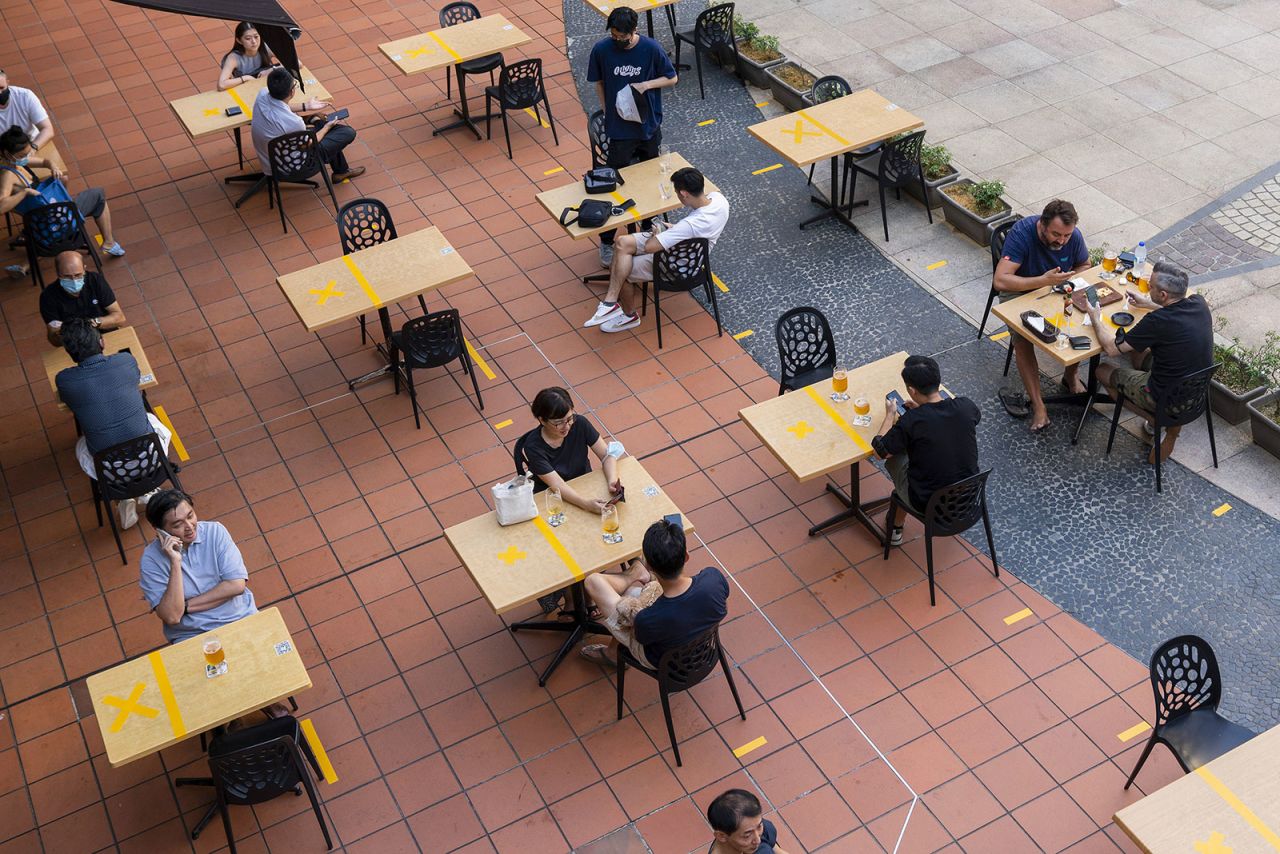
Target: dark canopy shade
277, 28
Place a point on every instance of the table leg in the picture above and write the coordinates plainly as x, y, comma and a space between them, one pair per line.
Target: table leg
832, 207
464, 115
383, 347
580, 625
857, 509
1091, 394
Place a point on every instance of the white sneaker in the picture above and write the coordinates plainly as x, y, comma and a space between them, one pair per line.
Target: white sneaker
143, 499
606, 255
622, 322
1148, 428
895, 537
128, 514
604, 313
115, 250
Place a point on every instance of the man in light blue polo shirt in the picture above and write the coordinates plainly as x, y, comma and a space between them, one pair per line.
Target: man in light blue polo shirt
192, 574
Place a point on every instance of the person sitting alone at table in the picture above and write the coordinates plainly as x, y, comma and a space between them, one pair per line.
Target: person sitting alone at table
78, 294
633, 253
1039, 251
932, 445
735, 818
102, 392
248, 58
274, 116
192, 575
1168, 344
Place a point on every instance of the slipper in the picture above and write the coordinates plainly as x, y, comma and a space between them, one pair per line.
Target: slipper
595, 652
1069, 390
1014, 402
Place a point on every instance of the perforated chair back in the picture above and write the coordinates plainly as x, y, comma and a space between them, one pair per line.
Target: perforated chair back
805, 343
683, 267
1184, 677
681, 668
900, 160
997, 240
520, 84
364, 223
54, 228
714, 27
956, 508
1186, 400
599, 139
132, 468
829, 88
294, 156
458, 13
433, 340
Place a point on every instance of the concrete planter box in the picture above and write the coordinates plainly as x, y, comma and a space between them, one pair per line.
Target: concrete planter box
1266, 433
754, 72
968, 223
935, 197
1228, 405
791, 98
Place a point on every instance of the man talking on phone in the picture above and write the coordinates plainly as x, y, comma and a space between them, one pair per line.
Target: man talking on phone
274, 116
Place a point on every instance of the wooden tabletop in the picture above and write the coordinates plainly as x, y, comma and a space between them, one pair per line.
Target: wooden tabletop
517, 564
50, 152
834, 127
1231, 804
451, 45
811, 434
351, 285
205, 114
124, 338
604, 7
164, 697
642, 184
1049, 304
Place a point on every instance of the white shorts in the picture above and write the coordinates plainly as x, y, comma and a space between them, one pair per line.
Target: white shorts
641, 265
85, 457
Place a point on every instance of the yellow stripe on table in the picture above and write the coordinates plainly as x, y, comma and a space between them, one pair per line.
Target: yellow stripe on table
620, 199
825, 406
240, 102
358, 275
558, 547
821, 127
435, 37
1250, 817
166, 695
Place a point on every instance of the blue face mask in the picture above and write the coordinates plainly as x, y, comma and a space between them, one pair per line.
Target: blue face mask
21, 161
72, 286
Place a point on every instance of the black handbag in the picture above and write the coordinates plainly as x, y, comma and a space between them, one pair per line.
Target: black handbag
605, 179
592, 213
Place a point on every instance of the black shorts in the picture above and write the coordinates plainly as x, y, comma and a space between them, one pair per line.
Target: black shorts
91, 202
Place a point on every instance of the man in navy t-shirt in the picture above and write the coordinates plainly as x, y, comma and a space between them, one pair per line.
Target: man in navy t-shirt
688, 606
627, 58
1039, 251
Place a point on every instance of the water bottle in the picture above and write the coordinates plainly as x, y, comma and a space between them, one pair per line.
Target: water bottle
1140, 256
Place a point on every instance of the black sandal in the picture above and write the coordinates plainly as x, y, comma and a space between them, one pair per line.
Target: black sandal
1014, 402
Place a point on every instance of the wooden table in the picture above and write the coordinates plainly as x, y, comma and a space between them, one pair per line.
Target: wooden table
117, 340
812, 435
164, 697
515, 565
831, 129
348, 286
205, 114
451, 45
604, 7
1050, 304
1231, 804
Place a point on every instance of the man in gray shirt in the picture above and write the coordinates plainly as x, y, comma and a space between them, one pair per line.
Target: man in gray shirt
274, 116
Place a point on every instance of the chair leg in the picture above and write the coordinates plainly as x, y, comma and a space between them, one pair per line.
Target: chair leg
97, 499
1115, 422
280, 204
328, 182
986, 312
697, 59
393, 356
888, 521
1213, 446
422, 301
115, 531
884, 214
991, 543
733, 688
657, 311
644, 298
924, 194
715, 306
622, 676
315, 806
226, 823
550, 118
413, 394
928, 556
363, 332
809, 183
506, 131
488, 115
448, 83
677, 62
671, 727
1008, 357
475, 381
1146, 751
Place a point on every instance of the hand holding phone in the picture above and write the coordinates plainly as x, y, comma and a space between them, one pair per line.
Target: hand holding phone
338, 116
674, 519
1091, 294
898, 403
169, 544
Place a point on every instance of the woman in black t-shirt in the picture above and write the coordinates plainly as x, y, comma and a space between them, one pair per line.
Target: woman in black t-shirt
557, 450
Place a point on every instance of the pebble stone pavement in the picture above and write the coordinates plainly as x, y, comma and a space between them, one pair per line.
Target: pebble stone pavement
1085, 530
1236, 233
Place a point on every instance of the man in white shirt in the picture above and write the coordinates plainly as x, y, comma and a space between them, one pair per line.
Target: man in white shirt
274, 116
633, 253
22, 108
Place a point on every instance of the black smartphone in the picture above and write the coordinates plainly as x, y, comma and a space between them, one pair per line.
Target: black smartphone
1092, 296
621, 496
674, 519
943, 393
344, 113
233, 111
897, 401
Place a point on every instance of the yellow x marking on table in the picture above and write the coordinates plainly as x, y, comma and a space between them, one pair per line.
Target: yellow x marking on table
511, 555
800, 429
800, 133
419, 51
212, 111
129, 706
329, 290
1215, 844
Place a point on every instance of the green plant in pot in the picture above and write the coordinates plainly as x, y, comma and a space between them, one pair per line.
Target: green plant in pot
790, 83
1236, 382
756, 52
935, 163
973, 207
1264, 411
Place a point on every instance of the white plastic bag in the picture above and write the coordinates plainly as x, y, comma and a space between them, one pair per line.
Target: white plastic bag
625, 103
513, 501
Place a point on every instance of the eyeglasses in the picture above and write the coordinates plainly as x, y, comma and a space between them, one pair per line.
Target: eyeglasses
562, 422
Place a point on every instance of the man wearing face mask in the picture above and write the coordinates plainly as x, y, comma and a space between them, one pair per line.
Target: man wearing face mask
78, 294
21, 107
627, 58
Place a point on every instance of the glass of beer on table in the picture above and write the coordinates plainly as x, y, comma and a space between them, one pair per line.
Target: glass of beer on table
839, 384
1109, 260
861, 405
555, 506
609, 523
214, 655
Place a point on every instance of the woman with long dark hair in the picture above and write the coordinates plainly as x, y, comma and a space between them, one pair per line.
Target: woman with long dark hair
248, 58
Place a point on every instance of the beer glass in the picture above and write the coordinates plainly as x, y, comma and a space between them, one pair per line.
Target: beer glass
839, 384
609, 524
1109, 260
555, 506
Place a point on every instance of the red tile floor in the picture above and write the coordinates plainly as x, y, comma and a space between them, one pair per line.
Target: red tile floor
428, 706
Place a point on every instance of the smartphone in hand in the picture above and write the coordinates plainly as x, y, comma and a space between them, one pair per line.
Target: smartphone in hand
898, 402
338, 116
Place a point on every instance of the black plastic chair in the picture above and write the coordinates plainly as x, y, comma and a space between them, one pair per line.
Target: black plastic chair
519, 87
681, 268
54, 229
712, 32
295, 159
364, 223
460, 13
827, 89
899, 165
430, 342
1188, 688
1179, 405
951, 511
128, 470
599, 139
257, 764
997, 252
679, 670
806, 348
